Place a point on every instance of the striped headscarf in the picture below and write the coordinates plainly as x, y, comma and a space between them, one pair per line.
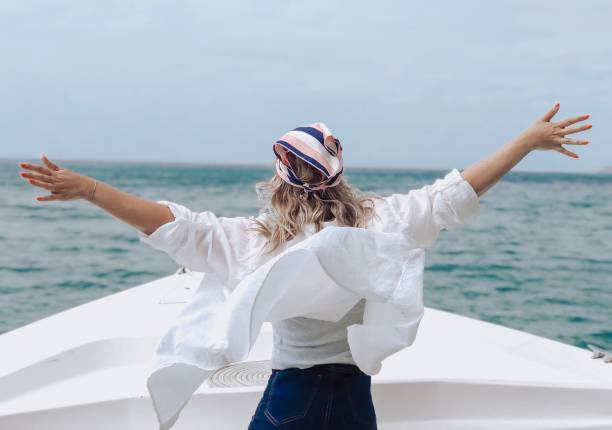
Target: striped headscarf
315, 145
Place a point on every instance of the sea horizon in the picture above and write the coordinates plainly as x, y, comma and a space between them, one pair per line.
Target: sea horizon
601, 170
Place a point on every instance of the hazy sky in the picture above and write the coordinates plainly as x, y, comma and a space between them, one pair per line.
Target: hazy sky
401, 84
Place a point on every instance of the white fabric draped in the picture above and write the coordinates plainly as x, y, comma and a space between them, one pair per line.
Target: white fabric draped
317, 275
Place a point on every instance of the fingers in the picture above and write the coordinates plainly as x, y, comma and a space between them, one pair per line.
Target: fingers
38, 177
562, 150
565, 131
571, 121
565, 141
48, 198
41, 184
36, 168
49, 163
55, 195
548, 116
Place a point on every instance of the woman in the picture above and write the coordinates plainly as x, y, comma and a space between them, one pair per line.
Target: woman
314, 382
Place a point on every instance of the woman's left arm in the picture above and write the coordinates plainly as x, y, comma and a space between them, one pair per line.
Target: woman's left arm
541, 135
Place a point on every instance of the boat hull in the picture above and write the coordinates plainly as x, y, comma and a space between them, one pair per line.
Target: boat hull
87, 367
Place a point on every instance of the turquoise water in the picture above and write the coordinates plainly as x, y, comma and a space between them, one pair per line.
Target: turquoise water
538, 256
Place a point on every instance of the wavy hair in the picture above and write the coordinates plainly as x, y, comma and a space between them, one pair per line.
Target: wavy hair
346, 204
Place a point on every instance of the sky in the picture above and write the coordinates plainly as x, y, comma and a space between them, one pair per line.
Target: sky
402, 84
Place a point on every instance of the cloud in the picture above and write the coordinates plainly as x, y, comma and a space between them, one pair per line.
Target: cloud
171, 80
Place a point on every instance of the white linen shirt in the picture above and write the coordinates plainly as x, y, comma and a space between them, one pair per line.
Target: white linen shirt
243, 288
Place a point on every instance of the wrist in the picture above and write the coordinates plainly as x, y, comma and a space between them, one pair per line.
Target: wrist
90, 189
524, 142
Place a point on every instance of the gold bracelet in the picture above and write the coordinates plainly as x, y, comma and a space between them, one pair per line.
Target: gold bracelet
93, 190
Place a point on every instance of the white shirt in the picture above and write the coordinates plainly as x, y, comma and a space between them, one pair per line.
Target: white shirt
243, 288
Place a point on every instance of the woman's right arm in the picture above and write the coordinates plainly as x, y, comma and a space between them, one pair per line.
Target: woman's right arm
422, 213
65, 184
543, 134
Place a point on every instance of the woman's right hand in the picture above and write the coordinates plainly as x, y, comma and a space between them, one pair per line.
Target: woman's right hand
544, 134
541, 135
62, 183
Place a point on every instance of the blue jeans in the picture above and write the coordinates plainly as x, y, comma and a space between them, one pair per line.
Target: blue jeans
332, 396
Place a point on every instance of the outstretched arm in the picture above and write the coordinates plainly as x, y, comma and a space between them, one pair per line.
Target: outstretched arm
65, 184
541, 135
199, 241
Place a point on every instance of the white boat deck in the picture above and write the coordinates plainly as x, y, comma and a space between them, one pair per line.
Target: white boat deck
87, 367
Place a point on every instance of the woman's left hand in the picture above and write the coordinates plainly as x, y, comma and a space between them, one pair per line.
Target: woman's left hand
62, 183
546, 135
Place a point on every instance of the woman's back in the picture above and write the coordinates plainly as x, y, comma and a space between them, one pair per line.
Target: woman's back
303, 342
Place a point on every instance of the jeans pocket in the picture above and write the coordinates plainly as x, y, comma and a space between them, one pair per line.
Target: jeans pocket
358, 389
291, 394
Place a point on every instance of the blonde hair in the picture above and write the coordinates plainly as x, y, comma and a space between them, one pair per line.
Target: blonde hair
346, 204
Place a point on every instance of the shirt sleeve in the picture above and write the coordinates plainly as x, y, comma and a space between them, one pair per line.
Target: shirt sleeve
422, 213
204, 242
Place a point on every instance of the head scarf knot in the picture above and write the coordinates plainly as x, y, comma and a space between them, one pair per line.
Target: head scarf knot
315, 145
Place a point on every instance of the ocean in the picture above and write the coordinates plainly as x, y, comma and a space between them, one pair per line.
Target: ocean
537, 257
